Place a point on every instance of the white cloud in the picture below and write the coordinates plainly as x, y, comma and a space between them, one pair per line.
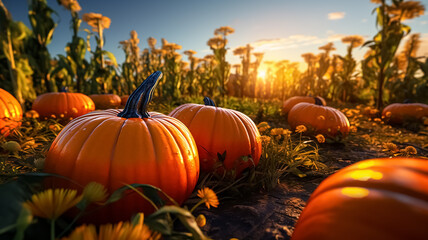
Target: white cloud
336, 15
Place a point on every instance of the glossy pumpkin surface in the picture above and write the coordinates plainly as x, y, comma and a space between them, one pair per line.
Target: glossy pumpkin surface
10, 112
217, 131
372, 199
62, 105
106, 101
322, 119
115, 150
291, 102
398, 113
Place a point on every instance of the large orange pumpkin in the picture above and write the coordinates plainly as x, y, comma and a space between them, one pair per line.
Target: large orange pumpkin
10, 112
106, 101
291, 102
373, 199
115, 147
325, 120
218, 131
398, 113
62, 105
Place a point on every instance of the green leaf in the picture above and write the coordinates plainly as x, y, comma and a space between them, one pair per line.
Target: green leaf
110, 56
152, 192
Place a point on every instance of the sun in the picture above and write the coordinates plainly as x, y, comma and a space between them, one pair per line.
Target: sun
261, 74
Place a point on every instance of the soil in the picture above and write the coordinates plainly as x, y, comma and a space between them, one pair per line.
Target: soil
273, 214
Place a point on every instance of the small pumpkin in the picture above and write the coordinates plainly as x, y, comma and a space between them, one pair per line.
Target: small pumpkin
115, 147
221, 135
123, 100
322, 119
62, 105
291, 102
106, 101
372, 199
10, 113
398, 113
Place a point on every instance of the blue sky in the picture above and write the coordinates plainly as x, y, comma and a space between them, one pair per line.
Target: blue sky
283, 29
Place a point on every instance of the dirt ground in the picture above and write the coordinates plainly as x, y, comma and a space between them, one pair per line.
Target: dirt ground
273, 215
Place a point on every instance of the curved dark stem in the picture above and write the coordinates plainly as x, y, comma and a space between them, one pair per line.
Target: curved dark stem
209, 102
136, 106
318, 101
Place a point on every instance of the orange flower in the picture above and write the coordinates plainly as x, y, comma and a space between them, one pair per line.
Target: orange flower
354, 40
93, 19
301, 129
320, 138
410, 150
71, 5
209, 197
390, 147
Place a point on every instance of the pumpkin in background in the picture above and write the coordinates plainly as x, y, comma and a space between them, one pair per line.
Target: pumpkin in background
106, 101
322, 119
398, 113
291, 102
115, 147
123, 100
62, 105
10, 113
372, 199
217, 131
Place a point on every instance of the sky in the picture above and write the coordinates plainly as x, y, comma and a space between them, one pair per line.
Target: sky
282, 29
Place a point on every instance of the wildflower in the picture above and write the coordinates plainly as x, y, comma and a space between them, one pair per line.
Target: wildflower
94, 192
390, 147
216, 42
225, 30
320, 138
209, 197
51, 204
201, 220
410, 150
276, 131
265, 139
189, 53
239, 50
286, 132
96, 20
263, 126
354, 40
121, 230
301, 129
406, 10
328, 47
71, 5
309, 57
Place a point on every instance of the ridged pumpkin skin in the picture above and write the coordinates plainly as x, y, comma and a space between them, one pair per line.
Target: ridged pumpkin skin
398, 113
217, 130
114, 151
10, 113
64, 106
325, 120
291, 102
372, 199
106, 101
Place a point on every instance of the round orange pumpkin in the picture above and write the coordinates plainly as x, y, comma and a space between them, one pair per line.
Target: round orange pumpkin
10, 113
123, 100
373, 199
221, 135
322, 119
62, 105
289, 103
106, 101
115, 147
398, 113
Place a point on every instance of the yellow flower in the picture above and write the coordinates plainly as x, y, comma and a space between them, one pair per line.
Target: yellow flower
410, 150
201, 220
301, 129
94, 192
286, 132
265, 139
390, 147
209, 197
263, 126
225, 30
217, 42
51, 204
71, 5
320, 138
276, 131
94, 18
118, 231
354, 40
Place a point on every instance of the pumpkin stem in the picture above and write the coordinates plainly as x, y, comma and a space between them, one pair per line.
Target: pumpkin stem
136, 106
209, 102
318, 101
